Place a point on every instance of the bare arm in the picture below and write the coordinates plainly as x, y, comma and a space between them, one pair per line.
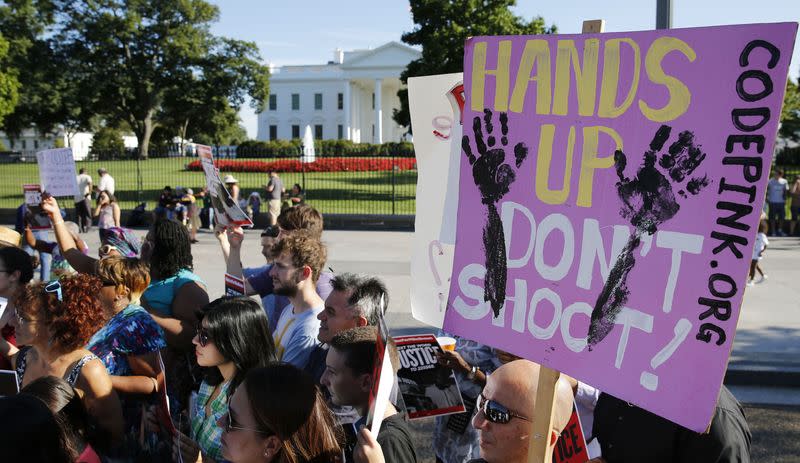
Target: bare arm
77, 259
144, 368
115, 207
100, 399
39, 245
9, 351
179, 329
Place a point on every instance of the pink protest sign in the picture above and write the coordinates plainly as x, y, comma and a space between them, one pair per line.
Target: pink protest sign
610, 193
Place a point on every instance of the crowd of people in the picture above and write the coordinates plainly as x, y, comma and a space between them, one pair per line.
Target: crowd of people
127, 357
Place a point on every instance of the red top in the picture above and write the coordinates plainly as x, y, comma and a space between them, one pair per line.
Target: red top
9, 334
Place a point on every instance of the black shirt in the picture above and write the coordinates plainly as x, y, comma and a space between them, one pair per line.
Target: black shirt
394, 438
629, 434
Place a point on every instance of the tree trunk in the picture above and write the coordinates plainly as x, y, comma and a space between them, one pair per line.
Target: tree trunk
145, 131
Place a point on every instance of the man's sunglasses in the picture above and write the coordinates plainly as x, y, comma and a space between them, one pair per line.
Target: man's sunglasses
202, 336
495, 412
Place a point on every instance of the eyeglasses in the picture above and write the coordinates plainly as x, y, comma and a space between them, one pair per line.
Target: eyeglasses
229, 426
495, 412
24, 321
54, 287
202, 336
272, 231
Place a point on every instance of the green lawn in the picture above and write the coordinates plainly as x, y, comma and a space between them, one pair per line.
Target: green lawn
330, 192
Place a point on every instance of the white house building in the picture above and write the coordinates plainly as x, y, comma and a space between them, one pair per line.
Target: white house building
351, 97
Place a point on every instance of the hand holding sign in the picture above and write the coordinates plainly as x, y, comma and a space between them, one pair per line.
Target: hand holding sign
493, 177
648, 200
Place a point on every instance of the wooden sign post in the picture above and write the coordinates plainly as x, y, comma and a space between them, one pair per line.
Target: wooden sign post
539, 449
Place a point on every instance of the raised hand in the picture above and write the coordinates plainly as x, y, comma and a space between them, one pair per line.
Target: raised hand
493, 177
648, 200
50, 206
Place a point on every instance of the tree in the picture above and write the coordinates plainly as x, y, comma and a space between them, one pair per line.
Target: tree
443, 26
790, 114
107, 140
9, 83
25, 24
140, 56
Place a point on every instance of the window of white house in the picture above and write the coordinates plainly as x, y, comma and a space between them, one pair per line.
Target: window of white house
318, 131
318, 101
295, 101
273, 132
273, 102
295, 131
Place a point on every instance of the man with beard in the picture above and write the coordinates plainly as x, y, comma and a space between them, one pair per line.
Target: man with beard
295, 271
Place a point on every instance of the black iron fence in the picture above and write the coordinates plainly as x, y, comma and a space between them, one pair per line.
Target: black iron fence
383, 184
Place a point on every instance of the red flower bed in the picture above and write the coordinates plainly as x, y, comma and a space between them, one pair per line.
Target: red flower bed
320, 165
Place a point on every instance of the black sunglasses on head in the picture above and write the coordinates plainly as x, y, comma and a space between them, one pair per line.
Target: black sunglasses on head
272, 231
496, 412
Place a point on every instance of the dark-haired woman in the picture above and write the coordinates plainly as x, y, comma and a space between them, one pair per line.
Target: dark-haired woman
107, 210
70, 414
54, 322
232, 338
278, 415
16, 270
172, 298
21, 418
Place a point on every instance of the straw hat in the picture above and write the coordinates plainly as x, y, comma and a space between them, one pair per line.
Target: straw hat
229, 179
9, 237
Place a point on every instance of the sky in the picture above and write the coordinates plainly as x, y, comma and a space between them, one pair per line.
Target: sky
308, 31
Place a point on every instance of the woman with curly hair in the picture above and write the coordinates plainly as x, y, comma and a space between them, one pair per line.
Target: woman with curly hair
298, 428
54, 322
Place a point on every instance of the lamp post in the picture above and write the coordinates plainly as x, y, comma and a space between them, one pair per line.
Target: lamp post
663, 14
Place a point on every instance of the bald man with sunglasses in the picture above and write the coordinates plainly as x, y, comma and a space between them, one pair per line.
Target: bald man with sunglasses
505, 412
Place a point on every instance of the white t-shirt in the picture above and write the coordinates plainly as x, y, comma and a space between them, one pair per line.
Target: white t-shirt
776, 189
84, 186
295, 335
106, 183
761, 242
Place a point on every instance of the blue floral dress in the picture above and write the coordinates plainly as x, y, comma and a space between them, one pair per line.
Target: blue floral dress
132, 331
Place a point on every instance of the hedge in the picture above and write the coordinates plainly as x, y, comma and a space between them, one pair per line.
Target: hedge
320, 165
323, 148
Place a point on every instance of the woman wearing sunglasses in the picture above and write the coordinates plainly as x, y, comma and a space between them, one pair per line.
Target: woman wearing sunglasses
54, 322
232, 338
297, 428
129, 344
16, 270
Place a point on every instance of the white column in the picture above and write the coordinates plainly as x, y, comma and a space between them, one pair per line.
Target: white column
346, 109
378, 112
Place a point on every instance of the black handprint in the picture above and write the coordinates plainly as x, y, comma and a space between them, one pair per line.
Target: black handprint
493, 178
648, 200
